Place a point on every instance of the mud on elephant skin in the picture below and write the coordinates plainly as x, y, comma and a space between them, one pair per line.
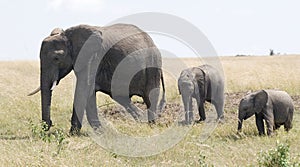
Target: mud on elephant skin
274, 106
95, 54
204, 83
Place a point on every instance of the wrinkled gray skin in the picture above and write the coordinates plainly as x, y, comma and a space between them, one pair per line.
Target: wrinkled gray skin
204, 83
59, 55
273, 106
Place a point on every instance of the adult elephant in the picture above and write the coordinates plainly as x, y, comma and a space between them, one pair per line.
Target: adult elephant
273, 106
120, 60
204, 83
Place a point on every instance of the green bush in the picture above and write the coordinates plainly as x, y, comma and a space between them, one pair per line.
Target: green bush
40, 132
277, 157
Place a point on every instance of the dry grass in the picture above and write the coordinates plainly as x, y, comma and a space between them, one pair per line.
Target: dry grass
273, 72
222, 148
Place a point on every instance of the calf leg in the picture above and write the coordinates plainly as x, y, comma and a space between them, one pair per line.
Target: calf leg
219, 105
201, 111
287, 126
260, 124
277, 126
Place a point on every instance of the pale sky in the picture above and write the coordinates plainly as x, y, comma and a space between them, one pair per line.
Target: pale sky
232, 26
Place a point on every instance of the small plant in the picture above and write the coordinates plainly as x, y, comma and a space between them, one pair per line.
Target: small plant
40, 132
277, 157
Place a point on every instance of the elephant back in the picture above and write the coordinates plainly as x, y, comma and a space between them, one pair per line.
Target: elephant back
125, 43
280, 97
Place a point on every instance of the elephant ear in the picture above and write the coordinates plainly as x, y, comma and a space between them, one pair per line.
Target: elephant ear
179, 90
260, 100
178, 85
200, 83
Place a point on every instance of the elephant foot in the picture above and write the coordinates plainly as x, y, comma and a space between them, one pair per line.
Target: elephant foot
188, 122
74, 131
221, 120
46, 125
98, 130
152, 116
271, 134
189, 118
151, 122
200, 120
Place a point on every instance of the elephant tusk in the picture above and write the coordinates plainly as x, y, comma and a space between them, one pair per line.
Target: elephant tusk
240, 121
54, 85
34, 92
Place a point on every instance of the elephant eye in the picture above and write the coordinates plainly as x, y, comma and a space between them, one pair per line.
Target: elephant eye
55, 58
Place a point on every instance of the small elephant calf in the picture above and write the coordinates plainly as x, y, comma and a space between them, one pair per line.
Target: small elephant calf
273, 106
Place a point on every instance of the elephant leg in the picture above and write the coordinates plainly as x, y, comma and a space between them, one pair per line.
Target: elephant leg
276, 126
287, 126
219, 105
82, 92
269, 117
151, 100
76, 120
201, 111
127, 104
260, 124
91, 112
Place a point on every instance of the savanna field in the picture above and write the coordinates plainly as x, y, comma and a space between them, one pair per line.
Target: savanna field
23, 143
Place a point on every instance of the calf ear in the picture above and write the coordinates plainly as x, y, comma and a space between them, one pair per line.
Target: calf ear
260, 100
178, 85
179, 90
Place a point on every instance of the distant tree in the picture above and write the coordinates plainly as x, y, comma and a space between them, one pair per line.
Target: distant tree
271, 52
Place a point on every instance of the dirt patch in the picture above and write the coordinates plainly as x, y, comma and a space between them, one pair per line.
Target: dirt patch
171, 113
173, 110
232, 100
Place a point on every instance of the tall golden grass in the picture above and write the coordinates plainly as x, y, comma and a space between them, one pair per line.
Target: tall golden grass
222, 148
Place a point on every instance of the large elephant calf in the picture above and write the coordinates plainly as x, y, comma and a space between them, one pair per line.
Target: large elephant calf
275, 107
204, 83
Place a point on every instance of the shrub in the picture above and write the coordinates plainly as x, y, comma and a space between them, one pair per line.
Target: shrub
39, 132
277, 157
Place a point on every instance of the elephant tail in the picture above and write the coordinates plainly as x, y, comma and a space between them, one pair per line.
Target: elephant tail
162, 102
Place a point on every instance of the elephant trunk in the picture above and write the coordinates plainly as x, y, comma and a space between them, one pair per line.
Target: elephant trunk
187, 102
47, 83
46, 94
